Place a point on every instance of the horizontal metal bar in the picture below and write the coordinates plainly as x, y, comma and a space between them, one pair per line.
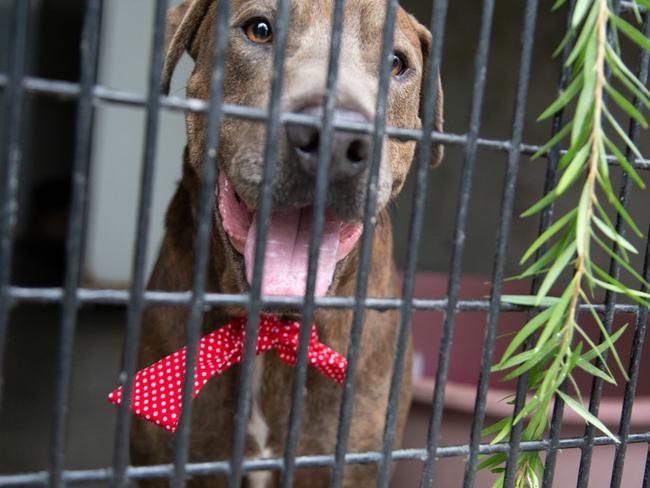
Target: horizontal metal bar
275, 464
21, 295
70, 90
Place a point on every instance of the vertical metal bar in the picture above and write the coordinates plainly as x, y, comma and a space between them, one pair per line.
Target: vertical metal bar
264, 213
11, 156
646, 472
423, 159
545, 222
74, 246
639, 335
614, 270
345, 414
554, 437
136, 300
209, 170
527, 39
459, 241
630, 388
320, 200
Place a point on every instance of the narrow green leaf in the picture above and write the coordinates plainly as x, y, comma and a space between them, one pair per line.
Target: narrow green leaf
626, 106
609, 191
576, 388
529, 301
586, 31
563, 99
615, 286
497, 426
593, 346
561, 134
594, 371
557, 5
539, 265
637, 14
565, 40
631, 32
625, 164
560, 264
621, 133
550, 232
559, 311
612, 227
526, 331
607, 187
580, 10
603, 165
493, 460
516, 360
564, 361
622, 262
576, 146
592, 354
503, 433
528, 408
642, 97
614, 59
582, 224
544, 202
534, 359
608, 340
585, 100
574, 170
614, 236
587, 416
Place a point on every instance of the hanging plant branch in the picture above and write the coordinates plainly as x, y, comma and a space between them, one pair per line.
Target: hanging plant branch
560, 344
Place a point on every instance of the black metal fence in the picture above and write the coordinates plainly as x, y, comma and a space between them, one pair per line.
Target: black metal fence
71, 296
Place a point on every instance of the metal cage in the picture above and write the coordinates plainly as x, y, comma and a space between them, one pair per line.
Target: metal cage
17, 86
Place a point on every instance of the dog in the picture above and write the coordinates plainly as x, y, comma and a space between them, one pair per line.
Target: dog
248, 71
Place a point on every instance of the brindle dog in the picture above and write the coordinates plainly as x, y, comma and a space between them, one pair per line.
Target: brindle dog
240, 160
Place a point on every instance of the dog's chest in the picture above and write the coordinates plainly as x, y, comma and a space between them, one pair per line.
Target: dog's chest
258, 427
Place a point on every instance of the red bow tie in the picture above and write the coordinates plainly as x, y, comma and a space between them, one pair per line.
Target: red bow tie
158, 389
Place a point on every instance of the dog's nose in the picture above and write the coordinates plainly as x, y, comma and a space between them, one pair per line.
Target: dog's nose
350, 152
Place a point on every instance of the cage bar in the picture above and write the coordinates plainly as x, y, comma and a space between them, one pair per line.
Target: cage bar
138, 282
421, 163
456, 264
503, 233
545, 222
10, 152
16, 85
316, 233
75, 240
345, 414
209, 175
264, 212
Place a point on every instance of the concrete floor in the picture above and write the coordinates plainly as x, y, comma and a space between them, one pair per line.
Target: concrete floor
30, 373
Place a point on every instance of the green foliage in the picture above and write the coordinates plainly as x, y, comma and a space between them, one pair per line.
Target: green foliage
562, 256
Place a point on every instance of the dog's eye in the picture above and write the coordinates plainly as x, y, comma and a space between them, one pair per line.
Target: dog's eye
399, 65
259, 31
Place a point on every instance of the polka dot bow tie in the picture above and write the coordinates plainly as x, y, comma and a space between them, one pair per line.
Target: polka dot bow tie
158, 389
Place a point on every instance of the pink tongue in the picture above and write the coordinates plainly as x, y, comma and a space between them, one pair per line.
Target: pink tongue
287, 249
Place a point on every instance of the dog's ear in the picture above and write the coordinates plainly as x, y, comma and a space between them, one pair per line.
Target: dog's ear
425, 42
183, 21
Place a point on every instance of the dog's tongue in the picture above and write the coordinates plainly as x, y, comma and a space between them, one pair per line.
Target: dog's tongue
287, 253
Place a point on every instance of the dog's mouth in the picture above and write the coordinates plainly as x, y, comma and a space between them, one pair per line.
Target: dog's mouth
287, 245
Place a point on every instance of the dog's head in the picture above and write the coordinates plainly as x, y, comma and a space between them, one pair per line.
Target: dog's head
248, 73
